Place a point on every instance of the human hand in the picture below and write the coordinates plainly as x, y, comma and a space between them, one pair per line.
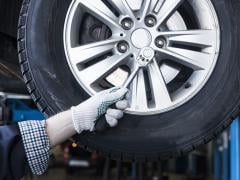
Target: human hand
86, 114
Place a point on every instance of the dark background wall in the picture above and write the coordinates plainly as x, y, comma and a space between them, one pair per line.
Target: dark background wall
10, 75
9, 12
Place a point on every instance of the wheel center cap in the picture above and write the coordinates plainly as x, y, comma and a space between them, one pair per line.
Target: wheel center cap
141, 38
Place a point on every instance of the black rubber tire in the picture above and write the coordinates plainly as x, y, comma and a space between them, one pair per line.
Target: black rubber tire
170, 134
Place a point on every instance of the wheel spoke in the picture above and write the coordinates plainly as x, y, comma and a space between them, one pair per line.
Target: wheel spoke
165, 9
160, 92
135, 5
98, 9
146, 7
102, 68
192, 59
201, 38
151, 6
85, 53
123, 8
139, 92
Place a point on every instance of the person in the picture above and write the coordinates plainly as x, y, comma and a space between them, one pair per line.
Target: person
28, 143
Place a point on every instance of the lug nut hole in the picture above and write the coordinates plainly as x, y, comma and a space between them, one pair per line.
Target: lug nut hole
150, 21
127, 23
160, 42
122, 46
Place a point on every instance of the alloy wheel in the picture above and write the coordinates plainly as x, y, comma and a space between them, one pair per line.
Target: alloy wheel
184, 35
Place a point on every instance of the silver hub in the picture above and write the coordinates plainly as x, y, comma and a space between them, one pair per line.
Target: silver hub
141, 38
184, 44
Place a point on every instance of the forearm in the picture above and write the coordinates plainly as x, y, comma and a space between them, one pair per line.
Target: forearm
39, 136
59, 128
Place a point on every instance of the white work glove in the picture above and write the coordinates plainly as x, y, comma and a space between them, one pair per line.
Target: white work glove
86, 114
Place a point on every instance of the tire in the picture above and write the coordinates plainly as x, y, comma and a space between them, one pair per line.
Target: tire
138, 137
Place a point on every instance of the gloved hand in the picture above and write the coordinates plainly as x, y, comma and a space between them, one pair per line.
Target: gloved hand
86, 114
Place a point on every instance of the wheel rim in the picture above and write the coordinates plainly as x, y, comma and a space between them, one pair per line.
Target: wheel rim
186, 49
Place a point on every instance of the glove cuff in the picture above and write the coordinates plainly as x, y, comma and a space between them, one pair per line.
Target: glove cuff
82, 119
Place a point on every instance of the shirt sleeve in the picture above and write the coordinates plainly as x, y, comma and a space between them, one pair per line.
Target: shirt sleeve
12, 155
36, 144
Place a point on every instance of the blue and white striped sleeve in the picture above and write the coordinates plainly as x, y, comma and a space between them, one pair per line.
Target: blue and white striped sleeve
36, 145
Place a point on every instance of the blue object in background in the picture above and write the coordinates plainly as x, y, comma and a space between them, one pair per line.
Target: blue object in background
221, 157
21, 112
235, 150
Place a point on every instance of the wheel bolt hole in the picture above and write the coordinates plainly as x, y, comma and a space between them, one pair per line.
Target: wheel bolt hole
127, 23
122, 46
160, 42
150, 21
121, 34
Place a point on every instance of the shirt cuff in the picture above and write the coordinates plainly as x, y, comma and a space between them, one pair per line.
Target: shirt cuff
36, 144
